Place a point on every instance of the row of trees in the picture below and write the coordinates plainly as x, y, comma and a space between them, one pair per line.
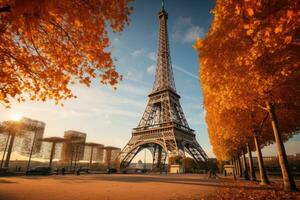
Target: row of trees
250, 74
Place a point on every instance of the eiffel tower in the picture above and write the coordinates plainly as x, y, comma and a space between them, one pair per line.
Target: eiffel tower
163, 128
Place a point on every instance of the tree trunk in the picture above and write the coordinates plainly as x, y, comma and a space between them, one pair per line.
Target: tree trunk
11, 143
52, 153
288, 180
233, 165
262, 170
234, 170
251, 166
236, 166
246, 175
240, 166
4, 151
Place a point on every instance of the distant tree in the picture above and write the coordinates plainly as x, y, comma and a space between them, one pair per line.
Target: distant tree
47, 45
189, 164
175, 160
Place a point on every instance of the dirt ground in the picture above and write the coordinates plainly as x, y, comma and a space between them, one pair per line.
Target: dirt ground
117, 187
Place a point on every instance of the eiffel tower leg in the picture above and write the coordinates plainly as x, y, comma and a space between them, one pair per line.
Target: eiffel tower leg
155, 157
154, 154
127, 160
193, 155
159, 157
164, 160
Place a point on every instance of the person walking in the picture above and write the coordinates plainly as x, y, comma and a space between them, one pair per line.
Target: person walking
57, 170
78, 172
63, 170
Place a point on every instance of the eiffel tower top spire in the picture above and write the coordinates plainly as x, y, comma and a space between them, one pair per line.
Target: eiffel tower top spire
164, 79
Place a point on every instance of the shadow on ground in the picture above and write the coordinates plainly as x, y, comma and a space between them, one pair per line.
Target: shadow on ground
4, 181
173, 179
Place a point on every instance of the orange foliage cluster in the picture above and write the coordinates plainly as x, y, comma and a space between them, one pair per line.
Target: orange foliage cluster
250, 55
47, 45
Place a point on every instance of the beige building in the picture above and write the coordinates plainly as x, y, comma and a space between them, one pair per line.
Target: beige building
73, 148
228, 169
176, 169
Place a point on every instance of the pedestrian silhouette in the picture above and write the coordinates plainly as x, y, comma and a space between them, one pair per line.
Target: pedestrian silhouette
63, 170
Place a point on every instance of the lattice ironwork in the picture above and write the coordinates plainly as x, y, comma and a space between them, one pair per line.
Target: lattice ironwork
163, 128
164, 74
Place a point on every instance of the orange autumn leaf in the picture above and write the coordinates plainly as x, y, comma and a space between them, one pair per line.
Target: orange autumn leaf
198, 44
278, 29
288, 39
250, 12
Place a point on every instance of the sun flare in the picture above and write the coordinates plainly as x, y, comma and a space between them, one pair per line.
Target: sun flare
16, 116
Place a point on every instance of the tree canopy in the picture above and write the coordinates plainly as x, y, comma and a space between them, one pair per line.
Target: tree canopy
47, 45
249, 56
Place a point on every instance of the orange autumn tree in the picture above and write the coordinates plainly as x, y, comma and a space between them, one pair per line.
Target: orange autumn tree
47, 45
250, 63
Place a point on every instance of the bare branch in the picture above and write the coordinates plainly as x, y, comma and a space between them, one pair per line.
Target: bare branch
262, 122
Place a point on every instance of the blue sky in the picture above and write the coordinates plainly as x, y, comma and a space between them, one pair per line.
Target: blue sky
108, 116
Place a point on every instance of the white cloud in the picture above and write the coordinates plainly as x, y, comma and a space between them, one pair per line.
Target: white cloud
135, 76
185, 31
138, 52
143, 52
151, 69
152, 56
91, 102
192, 34
133, 89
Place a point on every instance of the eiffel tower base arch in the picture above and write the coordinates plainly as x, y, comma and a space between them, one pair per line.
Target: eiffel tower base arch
162, 143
